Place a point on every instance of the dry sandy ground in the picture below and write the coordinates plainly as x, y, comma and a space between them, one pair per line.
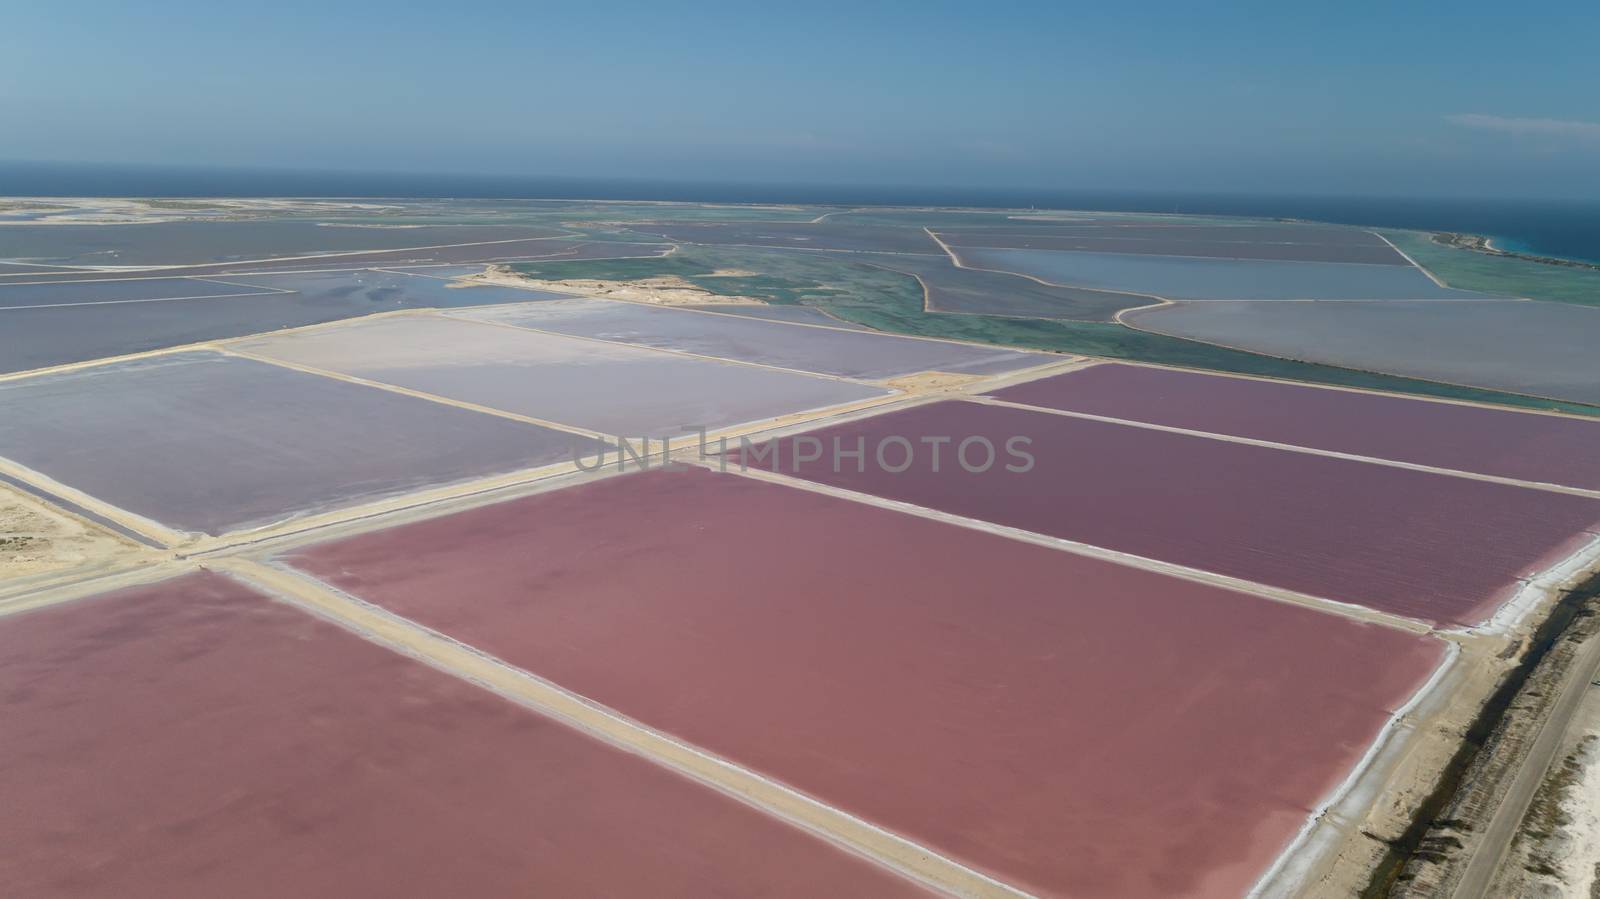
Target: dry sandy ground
1580, 867
1557, 851
935, 382
665, 290
109, 211
1436, 731
1460, 829
36, 539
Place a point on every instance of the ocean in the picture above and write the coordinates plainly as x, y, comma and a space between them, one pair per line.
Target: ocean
1566, 229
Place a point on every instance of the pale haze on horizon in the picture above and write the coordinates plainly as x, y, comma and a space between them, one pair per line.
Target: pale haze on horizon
1473, 99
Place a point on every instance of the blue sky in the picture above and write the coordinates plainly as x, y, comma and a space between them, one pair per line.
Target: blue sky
1379, 98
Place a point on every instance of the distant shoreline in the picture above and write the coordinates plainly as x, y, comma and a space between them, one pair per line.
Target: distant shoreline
1480, 244
1556, 232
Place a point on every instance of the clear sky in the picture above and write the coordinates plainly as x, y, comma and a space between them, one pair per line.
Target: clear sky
1469, 97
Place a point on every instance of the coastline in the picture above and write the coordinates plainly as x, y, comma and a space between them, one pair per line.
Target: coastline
1485, 245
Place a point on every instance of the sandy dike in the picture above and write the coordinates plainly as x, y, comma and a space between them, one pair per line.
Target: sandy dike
36, 539
663, 290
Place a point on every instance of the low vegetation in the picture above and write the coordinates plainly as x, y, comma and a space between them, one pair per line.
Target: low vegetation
1500, 275
892, 302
